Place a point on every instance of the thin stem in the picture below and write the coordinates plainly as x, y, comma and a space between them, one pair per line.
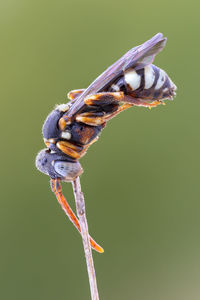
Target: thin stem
57, 190
80, 207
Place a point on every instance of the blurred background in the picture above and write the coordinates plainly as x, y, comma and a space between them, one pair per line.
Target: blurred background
141, 180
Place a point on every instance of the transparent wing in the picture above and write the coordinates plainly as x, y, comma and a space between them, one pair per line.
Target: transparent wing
137, 58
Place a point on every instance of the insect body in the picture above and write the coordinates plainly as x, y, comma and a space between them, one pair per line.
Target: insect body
72, 128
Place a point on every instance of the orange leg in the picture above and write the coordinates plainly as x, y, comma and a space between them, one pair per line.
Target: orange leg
104, 98
57, 189
114, 97
120, 109
72, 95
142, 102
69, 149
149, 105
95, 120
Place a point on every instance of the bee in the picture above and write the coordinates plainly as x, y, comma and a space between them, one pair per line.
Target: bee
71, 128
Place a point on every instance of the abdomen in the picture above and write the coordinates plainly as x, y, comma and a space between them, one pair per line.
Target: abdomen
149, 83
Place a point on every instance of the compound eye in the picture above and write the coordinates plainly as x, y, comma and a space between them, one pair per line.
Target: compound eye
69, 171
43, 161
61, 167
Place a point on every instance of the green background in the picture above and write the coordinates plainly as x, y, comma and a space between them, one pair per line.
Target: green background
141, 180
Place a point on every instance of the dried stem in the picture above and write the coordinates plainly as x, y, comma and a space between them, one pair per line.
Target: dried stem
80, 207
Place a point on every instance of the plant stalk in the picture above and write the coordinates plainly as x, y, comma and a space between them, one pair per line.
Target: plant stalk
80, 208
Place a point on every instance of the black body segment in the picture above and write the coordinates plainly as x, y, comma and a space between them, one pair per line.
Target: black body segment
50, 129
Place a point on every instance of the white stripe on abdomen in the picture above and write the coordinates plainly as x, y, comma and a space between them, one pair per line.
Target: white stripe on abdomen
161, 79
149, 77
132, 79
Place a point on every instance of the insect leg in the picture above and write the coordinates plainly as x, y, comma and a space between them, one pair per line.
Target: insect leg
142, 102
104, 105
100, 99
93, 119
57, 190
69, 149
72, 95
107, 98
120, 109
104, 98
73, 150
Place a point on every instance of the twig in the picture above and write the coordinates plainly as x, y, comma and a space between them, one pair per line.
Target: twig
80, 208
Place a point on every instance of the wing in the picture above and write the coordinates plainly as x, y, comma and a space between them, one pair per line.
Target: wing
137, 58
